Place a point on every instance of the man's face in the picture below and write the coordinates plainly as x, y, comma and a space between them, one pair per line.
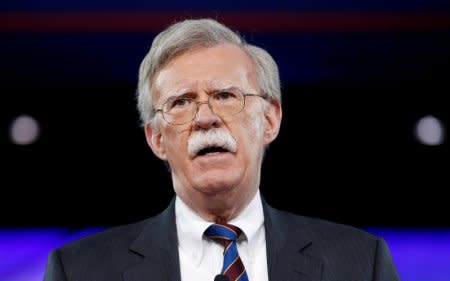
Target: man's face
199, 168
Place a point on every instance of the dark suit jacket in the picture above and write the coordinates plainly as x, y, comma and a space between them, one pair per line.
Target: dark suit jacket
298, 248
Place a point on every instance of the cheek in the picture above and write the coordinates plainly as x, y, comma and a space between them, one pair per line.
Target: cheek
175, 140
253, 132
256, 126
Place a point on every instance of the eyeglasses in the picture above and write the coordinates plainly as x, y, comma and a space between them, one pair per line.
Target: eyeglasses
181, 110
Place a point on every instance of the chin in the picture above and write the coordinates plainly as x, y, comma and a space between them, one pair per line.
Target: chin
215, 188
216, 181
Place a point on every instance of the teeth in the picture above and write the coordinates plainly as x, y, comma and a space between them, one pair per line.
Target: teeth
211, 138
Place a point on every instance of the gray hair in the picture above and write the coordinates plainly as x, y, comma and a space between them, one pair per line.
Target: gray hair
192, 34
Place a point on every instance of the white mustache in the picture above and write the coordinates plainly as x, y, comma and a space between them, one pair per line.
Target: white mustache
213, 137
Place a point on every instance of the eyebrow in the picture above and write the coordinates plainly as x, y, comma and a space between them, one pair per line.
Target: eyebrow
187, 94
229, 88
190, 93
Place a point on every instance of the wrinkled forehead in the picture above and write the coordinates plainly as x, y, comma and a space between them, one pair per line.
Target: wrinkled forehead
206, 69
196, 87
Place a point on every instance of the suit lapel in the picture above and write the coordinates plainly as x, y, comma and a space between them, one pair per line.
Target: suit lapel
158, 248
287, 248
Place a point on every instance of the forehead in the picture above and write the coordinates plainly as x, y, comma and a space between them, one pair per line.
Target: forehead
205, 69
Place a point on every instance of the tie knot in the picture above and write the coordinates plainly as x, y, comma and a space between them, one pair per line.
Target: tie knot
223, 231
227, 235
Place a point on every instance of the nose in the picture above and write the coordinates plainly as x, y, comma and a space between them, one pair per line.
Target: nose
205, 117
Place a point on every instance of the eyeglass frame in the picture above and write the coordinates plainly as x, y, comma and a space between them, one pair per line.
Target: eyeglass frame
198, 103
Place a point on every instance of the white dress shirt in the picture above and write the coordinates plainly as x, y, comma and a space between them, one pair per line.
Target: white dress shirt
201, 259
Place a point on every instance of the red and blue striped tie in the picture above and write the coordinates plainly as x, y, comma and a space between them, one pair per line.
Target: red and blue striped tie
227, 235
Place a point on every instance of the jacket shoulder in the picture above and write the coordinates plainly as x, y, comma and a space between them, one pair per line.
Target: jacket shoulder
122, 234
343, 252
319, 228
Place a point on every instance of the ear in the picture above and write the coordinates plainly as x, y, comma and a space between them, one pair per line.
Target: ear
156, 141
273, 115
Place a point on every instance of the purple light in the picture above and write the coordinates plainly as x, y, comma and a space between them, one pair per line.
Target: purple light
24, 252
419, 254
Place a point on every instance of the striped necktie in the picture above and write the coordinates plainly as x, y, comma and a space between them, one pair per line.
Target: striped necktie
227, 235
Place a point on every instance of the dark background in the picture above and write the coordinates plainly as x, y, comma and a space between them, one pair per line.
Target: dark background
355, 81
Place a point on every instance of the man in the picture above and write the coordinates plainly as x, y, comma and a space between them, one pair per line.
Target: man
210, 104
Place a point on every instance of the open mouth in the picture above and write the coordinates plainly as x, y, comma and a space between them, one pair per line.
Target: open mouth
211, 149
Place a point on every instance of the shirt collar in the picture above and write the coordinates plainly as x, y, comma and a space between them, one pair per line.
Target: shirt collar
190, 226
251, 219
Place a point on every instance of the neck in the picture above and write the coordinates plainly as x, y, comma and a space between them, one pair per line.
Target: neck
218, 207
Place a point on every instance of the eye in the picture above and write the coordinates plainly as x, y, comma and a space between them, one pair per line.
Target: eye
224, 96
178, 103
